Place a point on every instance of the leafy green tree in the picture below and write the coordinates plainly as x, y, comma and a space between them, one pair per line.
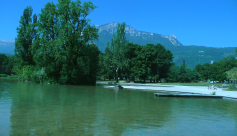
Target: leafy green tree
102, 70
60, 42
141, 66
130, 69
76, 36
3, 63
108, 62
116, 49
150, 61
164, 60
232, 73
216, 71
173, 74
187, 75
26, 33
47, 43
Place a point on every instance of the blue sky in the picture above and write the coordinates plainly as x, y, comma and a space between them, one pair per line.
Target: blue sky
211, 23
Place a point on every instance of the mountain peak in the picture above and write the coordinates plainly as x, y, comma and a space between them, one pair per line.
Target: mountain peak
111, 28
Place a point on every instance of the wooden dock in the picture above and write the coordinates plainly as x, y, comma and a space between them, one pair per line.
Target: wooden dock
187, 95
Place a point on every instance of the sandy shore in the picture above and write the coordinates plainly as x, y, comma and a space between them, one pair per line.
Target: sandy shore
181, 89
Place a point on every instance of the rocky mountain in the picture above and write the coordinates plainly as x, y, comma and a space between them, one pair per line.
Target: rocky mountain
106, 31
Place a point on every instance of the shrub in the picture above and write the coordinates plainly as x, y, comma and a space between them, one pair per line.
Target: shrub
3, 75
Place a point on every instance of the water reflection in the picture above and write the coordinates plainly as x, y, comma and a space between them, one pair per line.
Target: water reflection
39, 109
43, 110
116, 93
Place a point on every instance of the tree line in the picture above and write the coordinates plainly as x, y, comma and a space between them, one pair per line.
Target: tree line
217, 70
57, 46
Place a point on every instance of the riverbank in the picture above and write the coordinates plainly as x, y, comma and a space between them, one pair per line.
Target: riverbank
180, 89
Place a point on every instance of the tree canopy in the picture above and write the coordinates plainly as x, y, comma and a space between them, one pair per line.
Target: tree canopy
116, 49
232, 74
60, 42
216, 71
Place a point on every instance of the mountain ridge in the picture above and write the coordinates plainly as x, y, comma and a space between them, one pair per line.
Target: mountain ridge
112, 29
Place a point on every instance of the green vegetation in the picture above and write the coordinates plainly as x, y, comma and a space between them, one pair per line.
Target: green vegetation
216, 71
6, 64
183, 74
116, 51
231, 88
232, 73
57, 45
3, 75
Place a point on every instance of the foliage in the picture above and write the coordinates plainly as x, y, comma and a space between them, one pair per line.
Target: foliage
173, 74
182, 74
140, 62
115, 51
58, 42
26, 32
3, 75
232, 73
3, 63
6, 64
216, 71
213, 93
232, 88
153, 62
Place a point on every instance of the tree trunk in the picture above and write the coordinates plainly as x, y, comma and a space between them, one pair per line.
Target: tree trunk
117, 75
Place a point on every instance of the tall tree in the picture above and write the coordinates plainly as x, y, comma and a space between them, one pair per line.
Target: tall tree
46, 44
60, 42
163, 61
132, 51
76, 35
117, 49
3, 63
173, 74
26, 32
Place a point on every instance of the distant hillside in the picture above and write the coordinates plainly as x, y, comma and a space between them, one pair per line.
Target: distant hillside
193, 55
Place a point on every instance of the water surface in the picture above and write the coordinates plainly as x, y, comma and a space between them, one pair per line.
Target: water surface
41, 109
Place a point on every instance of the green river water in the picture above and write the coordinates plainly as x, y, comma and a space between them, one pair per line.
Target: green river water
42, 109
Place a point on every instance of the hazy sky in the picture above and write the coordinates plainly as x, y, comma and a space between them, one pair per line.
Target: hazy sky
211, 23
